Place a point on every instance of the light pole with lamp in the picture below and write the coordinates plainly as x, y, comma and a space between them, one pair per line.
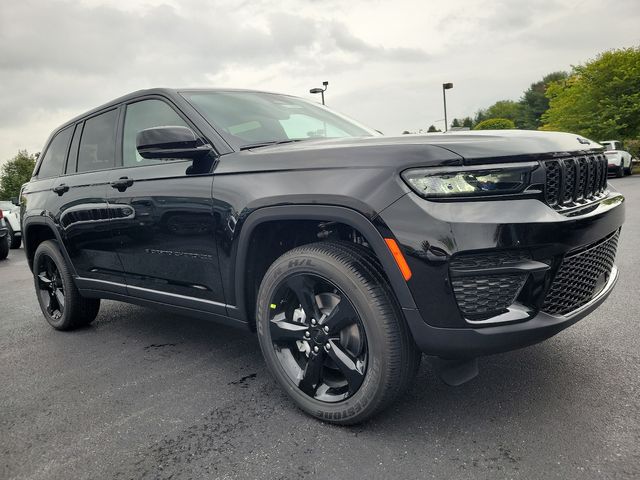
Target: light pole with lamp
320, 90
445, 87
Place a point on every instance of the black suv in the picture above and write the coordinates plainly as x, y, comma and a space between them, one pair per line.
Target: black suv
349, 253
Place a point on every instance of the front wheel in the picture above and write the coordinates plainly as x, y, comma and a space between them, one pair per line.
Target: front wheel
331, 333
61, 303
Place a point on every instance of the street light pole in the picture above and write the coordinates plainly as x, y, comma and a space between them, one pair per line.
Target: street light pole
445, 87
320, 90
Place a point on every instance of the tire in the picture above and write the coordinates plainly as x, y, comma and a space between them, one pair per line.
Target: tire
620, 171
344, 364
61, 303
629, 171
4, 247
14, 241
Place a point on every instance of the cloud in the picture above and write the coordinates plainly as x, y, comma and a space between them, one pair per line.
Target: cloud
385, 60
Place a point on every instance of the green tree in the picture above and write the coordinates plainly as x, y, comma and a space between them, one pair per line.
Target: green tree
600, 100
495, 124
534, 103
501, 109
15, 173
456, 123
432, 129
467, 122
633, 147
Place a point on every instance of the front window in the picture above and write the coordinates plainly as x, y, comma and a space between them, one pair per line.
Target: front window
247, 119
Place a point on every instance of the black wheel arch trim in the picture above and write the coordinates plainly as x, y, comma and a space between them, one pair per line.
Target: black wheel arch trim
48, 222
314, 212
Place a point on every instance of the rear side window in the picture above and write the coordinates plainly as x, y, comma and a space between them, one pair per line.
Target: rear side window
141, 115
98, 143
56, 154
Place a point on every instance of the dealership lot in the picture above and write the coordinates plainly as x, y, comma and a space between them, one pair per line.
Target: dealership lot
144, 394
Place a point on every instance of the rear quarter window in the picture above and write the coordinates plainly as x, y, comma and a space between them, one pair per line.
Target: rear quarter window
55, 155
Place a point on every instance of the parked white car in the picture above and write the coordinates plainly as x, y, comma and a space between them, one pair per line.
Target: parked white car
618, 159
11, 214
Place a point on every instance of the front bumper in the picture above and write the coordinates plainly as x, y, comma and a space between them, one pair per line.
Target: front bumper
475, 342
614, 167
439, 326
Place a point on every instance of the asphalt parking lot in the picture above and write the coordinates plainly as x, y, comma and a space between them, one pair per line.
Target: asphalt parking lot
144, 394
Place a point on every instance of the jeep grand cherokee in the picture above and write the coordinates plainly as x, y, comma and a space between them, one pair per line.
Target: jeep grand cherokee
349, 253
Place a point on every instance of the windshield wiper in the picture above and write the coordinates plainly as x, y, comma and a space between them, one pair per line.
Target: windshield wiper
271, 142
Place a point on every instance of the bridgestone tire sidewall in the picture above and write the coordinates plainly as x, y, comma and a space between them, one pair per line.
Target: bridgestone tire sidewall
369, 393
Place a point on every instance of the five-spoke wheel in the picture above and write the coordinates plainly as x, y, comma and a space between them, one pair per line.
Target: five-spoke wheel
331, 333
60, 301
318, 337
50, 287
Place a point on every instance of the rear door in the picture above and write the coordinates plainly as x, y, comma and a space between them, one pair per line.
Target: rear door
80, 200
166, 245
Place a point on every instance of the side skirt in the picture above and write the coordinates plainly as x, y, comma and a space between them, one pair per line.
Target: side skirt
177, 304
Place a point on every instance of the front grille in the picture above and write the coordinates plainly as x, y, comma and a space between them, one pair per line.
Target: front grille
482, 296
575, 181
576, 281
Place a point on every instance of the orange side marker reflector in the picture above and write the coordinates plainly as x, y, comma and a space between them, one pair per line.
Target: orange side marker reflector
399, 258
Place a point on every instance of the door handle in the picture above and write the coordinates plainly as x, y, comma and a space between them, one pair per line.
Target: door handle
122, 183
60, 189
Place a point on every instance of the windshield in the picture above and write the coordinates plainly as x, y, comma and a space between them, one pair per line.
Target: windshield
612, 145
247, 119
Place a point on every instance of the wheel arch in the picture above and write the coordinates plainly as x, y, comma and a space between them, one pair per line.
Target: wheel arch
342, 215
36, 230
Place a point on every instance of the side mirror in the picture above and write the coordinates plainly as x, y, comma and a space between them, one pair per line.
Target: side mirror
172, 142
15, 201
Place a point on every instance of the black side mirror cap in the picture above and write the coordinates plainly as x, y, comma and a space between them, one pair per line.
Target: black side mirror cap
170, 143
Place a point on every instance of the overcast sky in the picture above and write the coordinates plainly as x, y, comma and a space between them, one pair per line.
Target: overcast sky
385, 60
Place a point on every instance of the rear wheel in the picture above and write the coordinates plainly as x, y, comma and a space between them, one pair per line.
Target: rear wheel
620, 170
61, 303
332, 334
629, 171
14, 241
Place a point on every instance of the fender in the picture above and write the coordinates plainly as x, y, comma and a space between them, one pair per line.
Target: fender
316, 212
47, 221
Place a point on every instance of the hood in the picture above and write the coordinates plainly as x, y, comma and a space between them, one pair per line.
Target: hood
409, 151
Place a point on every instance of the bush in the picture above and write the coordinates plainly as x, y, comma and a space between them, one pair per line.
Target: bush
495, 124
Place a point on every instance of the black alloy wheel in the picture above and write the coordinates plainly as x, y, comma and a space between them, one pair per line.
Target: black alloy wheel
50, 286
318, 337
60, 301
332, 333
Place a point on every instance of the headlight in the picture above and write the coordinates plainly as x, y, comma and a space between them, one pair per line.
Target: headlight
469, 181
